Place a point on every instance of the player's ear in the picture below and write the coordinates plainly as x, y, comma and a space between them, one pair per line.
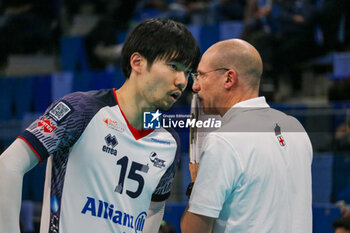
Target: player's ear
137, 61
231, 78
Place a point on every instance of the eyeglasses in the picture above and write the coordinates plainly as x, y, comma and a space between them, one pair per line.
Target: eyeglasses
195, 75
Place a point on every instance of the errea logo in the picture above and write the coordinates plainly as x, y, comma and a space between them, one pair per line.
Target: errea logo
111, 142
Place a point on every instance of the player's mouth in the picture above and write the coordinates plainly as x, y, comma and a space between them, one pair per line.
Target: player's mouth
175, 95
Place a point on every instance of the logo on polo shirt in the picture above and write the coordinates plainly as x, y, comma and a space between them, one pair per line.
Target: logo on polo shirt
279, 136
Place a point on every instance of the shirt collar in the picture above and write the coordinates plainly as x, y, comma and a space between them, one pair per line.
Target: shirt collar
258, 102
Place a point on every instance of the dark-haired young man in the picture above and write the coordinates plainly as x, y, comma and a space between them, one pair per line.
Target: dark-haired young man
342, 225
105, 173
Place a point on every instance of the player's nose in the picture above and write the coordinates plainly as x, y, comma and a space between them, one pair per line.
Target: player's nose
181, 80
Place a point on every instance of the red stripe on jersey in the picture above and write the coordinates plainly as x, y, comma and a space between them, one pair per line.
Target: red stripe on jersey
137, 133
37, 154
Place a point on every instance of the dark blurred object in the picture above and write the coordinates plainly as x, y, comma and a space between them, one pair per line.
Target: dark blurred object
166, 228
333, 18
115, 18
256, 16
342, 225
284, 35
339, 90
26, 27
225, 10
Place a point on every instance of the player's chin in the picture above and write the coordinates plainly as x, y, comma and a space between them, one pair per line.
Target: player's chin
166, 106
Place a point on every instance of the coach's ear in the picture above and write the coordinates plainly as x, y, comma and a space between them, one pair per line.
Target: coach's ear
230, 79
137, 62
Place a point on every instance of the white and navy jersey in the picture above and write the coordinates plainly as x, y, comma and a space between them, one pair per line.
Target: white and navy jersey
102, 173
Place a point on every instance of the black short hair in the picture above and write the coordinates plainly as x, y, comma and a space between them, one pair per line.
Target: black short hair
161, 39
343, 222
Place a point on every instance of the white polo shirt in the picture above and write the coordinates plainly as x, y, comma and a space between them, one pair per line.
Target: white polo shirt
255, 173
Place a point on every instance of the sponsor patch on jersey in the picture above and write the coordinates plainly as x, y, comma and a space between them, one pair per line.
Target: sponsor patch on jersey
60, 111
159, 163
113, 124
47, 125
111, 212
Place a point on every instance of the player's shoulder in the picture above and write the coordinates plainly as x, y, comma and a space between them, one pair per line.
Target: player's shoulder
85, 101
103, 95
289, 122
80, 104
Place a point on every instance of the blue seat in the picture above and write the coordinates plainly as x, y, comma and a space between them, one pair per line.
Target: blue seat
341, 177
173, 213
73, 55
231, 29
101, 80
82, 81
323, 217
61, 84
209, 35
341, 65
24, 96
42, 92
6, 98
118, 77
322, 171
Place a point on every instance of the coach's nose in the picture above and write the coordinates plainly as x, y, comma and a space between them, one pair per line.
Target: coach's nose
195, 86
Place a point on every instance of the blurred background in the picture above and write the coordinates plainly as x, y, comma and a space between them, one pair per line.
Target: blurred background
49, 48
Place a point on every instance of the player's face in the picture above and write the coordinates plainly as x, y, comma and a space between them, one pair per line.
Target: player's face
207, 85
341, 230
164, 84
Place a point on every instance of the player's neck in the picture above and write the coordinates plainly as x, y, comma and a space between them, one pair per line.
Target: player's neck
128, 101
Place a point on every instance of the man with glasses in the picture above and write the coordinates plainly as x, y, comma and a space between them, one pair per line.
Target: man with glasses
255, 171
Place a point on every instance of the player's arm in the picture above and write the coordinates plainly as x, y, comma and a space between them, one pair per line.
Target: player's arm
196, 223
14, 163
154, 217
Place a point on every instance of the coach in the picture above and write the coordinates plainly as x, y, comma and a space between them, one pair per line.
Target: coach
255, 171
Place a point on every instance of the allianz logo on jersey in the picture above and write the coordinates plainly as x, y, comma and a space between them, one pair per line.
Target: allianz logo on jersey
105, 210
111, 142
155, 120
